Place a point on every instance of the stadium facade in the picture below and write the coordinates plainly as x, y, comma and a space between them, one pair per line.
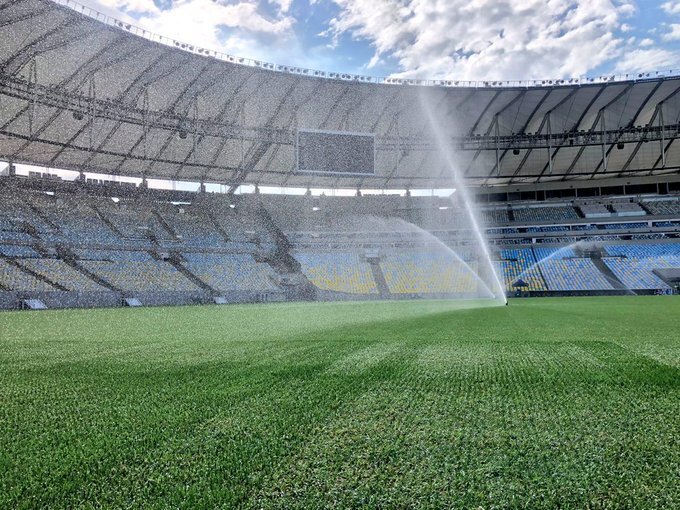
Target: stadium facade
577, 181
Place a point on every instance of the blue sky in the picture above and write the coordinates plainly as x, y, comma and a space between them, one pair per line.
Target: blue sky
452, 39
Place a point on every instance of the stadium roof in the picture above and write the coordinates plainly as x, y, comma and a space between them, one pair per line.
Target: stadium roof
82, 91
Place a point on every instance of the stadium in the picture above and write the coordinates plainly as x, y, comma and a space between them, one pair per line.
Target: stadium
227, 283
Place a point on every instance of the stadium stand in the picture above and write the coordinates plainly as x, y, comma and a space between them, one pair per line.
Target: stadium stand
595, 211
491, 216
660, 251
663, 207
81, 243
136, 221
231, 272
573, 274
19, 216
77, 223
634, 264
518, 266
62, 274
628, 209
558, 253
17, 250
636, 274
338, 271
193, 229
544, 214
136, 271
427, 272
624, 226
550, 228
13, 278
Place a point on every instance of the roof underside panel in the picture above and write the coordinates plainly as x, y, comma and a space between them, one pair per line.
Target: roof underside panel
79, 94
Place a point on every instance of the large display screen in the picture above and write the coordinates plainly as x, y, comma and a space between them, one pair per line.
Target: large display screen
331, 152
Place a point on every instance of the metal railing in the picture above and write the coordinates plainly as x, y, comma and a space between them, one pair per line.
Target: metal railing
390, 80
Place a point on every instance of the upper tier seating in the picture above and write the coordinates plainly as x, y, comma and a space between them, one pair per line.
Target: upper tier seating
493, 216
194, 229
338, 271
544, 214
17, 215
595, 211
548, 228
624, 226
628, 209
506, 230
664, 207
11, 250
78, 223
135, 221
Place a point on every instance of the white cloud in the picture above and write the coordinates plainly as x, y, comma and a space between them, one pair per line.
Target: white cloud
133, 6
671, 7
673, 34
237, 27
653, 59
456, 39
488, 39
203, 19
284, 5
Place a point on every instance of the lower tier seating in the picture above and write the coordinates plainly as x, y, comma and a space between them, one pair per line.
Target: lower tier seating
519, 266
61, 273
338, 271
231, 272
426, 272
140, 275
573, 274
13, 278
636, 274
634, 264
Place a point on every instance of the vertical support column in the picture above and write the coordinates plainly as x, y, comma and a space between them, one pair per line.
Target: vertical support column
195, 131
145, 120
243, 142
32, 84
296, 131
497, 134
663, 136
604, 145
550, 160
91, 96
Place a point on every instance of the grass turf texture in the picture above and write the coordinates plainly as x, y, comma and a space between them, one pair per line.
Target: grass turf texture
545, 403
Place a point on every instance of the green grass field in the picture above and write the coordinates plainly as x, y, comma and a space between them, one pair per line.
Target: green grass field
569, 402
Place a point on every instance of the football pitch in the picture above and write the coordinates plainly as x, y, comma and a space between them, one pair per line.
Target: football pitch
566, 402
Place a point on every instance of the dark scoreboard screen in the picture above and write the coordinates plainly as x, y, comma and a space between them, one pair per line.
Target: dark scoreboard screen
337, 153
